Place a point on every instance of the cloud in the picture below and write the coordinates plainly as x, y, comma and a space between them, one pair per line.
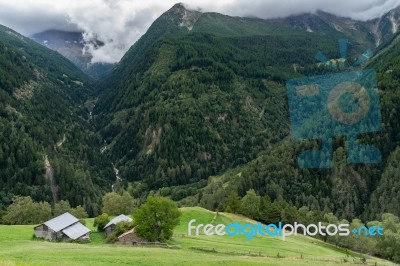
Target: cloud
119, 23
361, 10
30, 18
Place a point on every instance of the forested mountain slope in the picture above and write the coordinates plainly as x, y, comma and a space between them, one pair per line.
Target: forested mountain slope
201, 93
349, 191
183, 105
43, 115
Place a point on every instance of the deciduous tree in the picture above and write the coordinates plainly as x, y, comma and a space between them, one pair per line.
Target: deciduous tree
251, 204
116, 204
156, 218
24, 210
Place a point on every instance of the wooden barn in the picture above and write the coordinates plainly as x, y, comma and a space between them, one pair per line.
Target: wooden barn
65, 227
130, 238
112, 225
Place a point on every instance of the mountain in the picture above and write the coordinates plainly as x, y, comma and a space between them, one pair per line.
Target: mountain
369, 33
199, 95
47, 148
384, 27
184, 104
204, 94
72, 46
365, 191
197, 110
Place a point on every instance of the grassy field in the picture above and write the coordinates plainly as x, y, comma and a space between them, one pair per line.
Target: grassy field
17, 247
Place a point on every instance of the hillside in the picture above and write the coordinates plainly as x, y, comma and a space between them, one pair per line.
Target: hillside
365, 191
183, 105
196, 109
18, 247
203, 93
47, 150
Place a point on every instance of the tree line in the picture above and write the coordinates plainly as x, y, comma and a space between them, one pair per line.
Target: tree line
271, 212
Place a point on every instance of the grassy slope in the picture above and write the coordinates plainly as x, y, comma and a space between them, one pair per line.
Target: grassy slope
18, 248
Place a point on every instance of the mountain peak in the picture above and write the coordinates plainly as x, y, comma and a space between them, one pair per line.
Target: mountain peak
183, 16
179, 6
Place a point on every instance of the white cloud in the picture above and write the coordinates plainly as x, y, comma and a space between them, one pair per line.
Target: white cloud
361, 10
119, 23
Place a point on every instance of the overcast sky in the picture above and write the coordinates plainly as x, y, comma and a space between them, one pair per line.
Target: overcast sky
119, 23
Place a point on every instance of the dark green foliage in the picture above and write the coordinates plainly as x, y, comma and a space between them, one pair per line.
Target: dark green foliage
386, 246
101, 221
121, 228
79, 212
233, 203
156, 219
116, 204
185, 105
42, 98
61, 207
251, 204
193, 105
349, 191
25, 211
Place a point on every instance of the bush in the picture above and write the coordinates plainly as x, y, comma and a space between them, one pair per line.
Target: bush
101, 221
122, 227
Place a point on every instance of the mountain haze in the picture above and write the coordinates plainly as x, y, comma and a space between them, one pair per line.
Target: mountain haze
72, 46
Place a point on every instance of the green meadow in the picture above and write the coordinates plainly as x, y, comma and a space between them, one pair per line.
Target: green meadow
17, 247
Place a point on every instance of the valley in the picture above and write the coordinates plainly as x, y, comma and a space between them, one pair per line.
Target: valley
197, 111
